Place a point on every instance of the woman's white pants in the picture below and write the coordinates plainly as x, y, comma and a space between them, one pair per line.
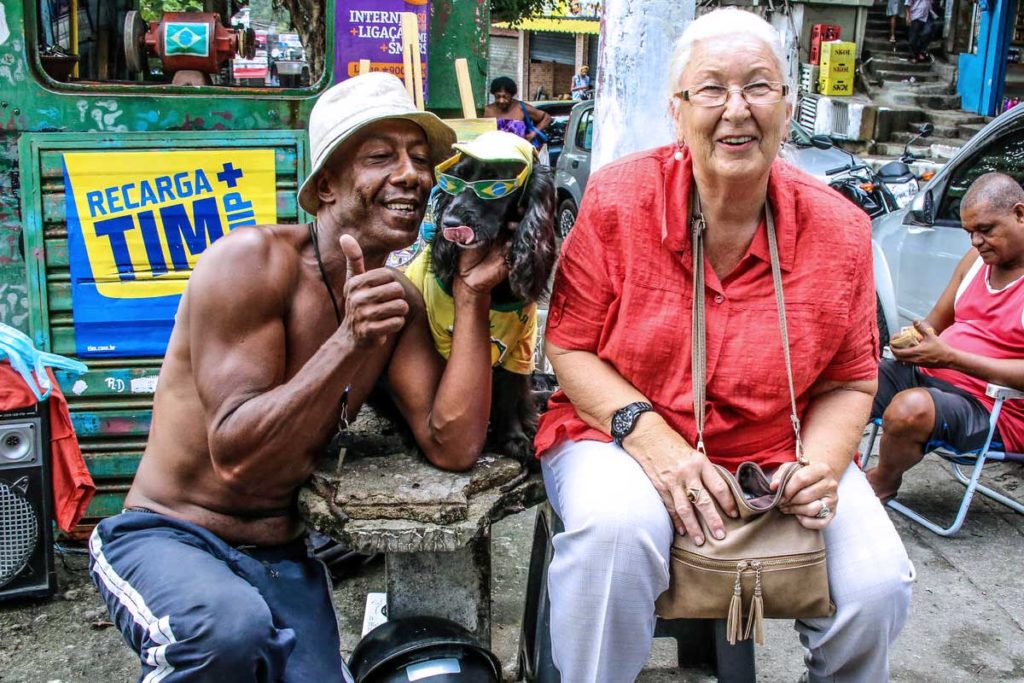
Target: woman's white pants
612, 563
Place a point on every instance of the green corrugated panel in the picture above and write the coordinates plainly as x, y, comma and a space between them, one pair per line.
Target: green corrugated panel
458, 28
113, 465
108, 501
111, 405
112, 381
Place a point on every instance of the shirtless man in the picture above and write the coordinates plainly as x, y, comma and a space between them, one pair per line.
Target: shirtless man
282, 332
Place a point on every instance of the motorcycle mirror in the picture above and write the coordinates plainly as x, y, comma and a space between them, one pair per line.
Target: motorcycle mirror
926, 129
821, 141
921, 207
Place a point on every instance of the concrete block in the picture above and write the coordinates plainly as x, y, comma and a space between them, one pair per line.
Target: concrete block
455, 585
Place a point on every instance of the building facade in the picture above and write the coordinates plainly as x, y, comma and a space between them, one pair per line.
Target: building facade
549, 49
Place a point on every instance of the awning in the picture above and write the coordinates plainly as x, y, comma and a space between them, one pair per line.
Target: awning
592, 26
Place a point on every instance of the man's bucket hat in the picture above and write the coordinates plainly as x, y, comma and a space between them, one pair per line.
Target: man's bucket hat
349, 106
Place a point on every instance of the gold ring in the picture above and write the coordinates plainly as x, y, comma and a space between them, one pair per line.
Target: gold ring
694, 493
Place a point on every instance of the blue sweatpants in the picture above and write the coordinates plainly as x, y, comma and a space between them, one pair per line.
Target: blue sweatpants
198, 609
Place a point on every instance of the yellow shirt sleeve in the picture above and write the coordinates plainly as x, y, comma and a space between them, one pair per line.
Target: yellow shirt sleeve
416, 270
520, 356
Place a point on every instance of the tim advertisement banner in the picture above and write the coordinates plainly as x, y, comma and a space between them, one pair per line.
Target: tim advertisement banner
137, 224
372, 29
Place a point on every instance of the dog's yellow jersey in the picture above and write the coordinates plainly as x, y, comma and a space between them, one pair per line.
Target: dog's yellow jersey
513, 326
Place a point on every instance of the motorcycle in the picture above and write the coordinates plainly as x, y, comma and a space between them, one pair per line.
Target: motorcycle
858, 182
898, 177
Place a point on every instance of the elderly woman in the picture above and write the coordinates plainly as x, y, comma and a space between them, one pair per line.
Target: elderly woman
618, 442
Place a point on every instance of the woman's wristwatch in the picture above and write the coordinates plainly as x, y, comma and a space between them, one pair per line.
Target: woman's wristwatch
624, 420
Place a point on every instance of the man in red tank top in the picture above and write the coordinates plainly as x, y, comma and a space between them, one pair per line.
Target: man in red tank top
934, 392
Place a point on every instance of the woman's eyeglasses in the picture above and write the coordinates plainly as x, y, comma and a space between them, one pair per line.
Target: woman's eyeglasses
711, 95
484, 189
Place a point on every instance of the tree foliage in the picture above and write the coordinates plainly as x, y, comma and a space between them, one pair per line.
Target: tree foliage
152, 10
308, 20
515, 11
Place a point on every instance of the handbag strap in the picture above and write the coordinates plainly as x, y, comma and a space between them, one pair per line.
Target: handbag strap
527, 121
699, 328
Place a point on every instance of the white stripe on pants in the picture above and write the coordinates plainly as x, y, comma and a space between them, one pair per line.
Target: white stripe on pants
611, 564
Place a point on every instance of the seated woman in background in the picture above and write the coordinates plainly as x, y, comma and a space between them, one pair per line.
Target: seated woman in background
516, 116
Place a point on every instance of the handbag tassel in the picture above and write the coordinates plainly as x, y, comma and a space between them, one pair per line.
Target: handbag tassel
734, 624
755, 620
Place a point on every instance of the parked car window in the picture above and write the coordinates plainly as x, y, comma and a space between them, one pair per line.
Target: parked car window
105, 42
585, 130
1004, 154
559, 110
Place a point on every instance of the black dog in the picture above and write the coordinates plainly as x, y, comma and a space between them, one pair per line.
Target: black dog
524, 220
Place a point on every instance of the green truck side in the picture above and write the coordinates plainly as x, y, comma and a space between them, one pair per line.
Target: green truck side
40, 119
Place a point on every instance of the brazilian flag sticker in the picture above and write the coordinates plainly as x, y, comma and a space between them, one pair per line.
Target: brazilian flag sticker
183, 39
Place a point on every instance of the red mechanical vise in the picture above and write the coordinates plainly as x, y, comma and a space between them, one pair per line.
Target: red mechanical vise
190, 45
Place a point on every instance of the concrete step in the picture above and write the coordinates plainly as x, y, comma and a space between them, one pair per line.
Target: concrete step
882, 44
903, 136
887, 61
883, 34
919, 166
905, 76
940, 130
953, 117
969, 130
933, 151
924, 100
920, 87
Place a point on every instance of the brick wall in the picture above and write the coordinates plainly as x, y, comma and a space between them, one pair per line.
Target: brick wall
553, 78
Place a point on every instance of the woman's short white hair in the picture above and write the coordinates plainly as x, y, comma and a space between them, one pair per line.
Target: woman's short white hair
728, 22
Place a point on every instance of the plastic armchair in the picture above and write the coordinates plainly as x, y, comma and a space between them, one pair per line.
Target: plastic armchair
989, 452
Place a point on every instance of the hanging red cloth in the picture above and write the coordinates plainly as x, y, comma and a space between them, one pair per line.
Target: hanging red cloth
73, 487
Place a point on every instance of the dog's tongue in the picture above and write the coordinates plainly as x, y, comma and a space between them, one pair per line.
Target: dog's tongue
460, 235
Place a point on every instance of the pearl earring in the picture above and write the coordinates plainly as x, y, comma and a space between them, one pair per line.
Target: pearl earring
678, 156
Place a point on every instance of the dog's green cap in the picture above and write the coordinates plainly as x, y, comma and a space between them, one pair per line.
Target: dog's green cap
498, 145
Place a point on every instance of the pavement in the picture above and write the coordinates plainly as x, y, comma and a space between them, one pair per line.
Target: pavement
966, 621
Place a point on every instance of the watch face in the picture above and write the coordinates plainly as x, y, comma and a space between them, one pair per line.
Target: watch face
620, 422
624, 419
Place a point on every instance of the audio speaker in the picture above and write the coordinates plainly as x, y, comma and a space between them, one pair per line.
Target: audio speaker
26, 504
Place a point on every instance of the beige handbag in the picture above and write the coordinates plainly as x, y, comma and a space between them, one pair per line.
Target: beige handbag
768, 565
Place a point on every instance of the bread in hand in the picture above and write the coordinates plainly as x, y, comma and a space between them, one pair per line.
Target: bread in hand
907, 337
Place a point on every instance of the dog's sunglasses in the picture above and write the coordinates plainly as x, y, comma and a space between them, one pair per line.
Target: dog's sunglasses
484, 189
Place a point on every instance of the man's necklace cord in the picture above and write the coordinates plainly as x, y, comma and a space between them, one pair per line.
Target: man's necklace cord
314, 237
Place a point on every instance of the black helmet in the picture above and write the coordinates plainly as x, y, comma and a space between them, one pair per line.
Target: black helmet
397, 650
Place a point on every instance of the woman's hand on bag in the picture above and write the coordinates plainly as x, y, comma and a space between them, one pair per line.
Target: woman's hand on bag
686, 481
810, 491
